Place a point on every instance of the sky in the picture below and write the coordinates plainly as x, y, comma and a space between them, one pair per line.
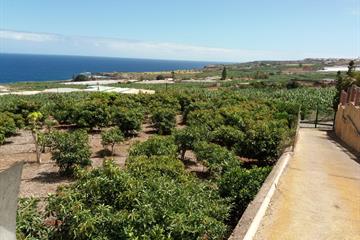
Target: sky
209, 30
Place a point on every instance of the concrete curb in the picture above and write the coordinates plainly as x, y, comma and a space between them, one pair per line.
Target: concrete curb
251, 219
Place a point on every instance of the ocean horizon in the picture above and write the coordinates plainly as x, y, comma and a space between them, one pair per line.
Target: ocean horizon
37, 68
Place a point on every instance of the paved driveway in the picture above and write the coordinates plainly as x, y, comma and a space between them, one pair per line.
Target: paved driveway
318, 196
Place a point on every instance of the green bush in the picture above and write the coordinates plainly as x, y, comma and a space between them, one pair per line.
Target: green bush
91, 114
29, 222
209, 118
155, 146
241, 186
46, 140
162, 165
227, 136
128, 120
163, 120
186, 138
7, 124
71, 149
2, 138
215, 157
109, 203
263, 141
160, 77
81, 78
111, 137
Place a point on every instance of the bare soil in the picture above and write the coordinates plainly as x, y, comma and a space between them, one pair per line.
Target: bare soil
39, 180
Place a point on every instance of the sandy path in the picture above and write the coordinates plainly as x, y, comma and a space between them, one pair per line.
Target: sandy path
318, 196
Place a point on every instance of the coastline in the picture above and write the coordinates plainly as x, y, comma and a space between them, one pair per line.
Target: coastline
37, 68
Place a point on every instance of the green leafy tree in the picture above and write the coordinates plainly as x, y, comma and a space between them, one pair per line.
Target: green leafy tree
34, 119
224, 74
227, 136
160, 77
71, 149
142, 203
344, 82
111, 137
241, 186
46, 140
163, 120
216, 158
7, 126
91, 114
264, 141
208, 118
157, 165
29, 222
351, 69
80, 78
50, 124
155, 146
128, 120
186, 138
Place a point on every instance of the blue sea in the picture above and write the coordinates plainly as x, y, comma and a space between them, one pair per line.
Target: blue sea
26, 67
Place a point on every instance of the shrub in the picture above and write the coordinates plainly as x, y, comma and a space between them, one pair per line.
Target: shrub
186, 138
293, 84
128, 120
25, 106
155, 146
29, 222
263, 141
7, 124
209, 118
163, 120
145, 167
46, 140
109, 203
81, 78
91, 114
215, 157
241, 185
2, 138
160, 77
227, 136
111, 137
71, 149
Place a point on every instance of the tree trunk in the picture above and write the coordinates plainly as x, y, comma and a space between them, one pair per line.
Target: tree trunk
183, 154
37, 148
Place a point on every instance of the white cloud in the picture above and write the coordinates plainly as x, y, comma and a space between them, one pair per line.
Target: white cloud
27, 36
45, 43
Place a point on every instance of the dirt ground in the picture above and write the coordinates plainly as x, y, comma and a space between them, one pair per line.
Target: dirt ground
39, 180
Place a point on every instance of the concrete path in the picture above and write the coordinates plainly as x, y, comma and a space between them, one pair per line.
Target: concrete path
318, 196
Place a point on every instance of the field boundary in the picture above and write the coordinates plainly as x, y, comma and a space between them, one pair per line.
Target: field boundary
248, 224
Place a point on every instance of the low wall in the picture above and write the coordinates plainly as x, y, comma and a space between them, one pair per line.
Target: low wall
247, 226
9, 190
347, 125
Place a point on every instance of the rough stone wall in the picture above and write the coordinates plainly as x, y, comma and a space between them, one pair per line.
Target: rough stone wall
347, 125
9, 190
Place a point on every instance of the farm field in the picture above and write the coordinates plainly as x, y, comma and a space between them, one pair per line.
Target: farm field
179, 120
196, 152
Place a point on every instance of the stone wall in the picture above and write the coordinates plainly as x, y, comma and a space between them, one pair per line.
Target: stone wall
347, 122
